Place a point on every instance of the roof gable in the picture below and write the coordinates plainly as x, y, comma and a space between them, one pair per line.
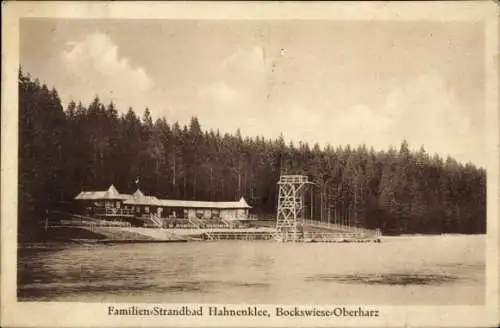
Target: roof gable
110, 194
138, 194
138, 198
244, 203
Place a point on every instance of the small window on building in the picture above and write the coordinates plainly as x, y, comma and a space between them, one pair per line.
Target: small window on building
146, 209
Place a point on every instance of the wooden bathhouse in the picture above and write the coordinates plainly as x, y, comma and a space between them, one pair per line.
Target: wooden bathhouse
104, 202
140, 204
110, 203
206, 210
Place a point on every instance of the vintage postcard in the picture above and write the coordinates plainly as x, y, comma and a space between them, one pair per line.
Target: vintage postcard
257, 164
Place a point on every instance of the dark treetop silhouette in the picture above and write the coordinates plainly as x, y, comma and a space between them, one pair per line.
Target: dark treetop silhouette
62, 151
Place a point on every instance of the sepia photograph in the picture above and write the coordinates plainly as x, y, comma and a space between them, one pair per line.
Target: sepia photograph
220, 167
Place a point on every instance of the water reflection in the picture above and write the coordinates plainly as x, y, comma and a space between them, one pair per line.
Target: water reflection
258, 272
387, 278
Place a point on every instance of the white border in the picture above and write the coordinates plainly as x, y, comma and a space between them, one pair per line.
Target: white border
91, 314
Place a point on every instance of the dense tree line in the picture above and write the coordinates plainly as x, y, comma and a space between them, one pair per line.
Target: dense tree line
90, 146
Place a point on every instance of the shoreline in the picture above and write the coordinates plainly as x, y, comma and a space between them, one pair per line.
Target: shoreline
96, 242
62, 236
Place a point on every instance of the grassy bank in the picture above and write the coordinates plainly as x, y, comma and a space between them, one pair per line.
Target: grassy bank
79, 234
66, 234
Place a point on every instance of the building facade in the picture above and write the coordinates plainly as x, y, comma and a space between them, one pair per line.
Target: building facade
203, 210
111, 203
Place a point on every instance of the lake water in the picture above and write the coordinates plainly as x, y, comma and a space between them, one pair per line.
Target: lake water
416, 270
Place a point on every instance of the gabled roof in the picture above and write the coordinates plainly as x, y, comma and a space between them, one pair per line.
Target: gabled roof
110, 194
138, 198
201, 204
244, 203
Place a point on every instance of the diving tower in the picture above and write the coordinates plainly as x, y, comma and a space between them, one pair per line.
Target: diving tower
291, 204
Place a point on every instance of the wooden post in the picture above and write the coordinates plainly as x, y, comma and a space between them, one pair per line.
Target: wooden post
312, 204
321, 207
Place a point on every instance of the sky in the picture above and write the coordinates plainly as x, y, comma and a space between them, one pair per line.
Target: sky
317, 81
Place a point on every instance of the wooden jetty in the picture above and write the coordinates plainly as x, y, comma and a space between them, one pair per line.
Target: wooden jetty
237, 235
307, 237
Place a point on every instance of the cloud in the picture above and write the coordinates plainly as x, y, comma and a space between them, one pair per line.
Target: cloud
219, 93
245, 71
235, 92
360, 124
424, 111
250, 62
96, 67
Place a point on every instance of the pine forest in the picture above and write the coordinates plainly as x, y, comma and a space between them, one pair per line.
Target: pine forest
88, 145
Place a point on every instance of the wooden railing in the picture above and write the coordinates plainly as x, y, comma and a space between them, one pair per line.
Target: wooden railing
227, 222
195, 222
235, 235
156, 220
347, 228
112, 211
